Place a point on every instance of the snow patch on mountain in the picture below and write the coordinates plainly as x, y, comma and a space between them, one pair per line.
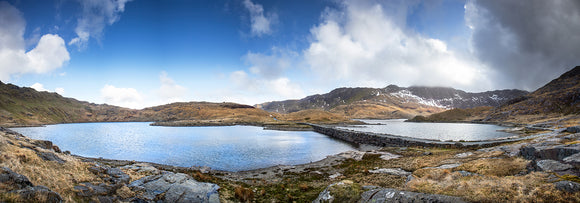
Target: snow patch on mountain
408, 96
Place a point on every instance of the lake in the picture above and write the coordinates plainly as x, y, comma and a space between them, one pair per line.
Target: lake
230, 148
433, 131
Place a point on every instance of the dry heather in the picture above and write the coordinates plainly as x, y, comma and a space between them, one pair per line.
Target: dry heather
58, 177
377, 110
497, 179
529, 188
314, 116
495, 167
456, 115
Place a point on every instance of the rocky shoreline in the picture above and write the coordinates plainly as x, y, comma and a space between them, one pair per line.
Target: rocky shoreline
548, 162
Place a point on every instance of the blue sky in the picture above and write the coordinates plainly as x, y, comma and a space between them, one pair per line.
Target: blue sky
142, 53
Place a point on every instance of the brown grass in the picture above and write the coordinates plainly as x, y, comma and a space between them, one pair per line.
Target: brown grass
495, 167
244, 194
456, 115
497, 182
529, 188
379, 110
58, 177
314, 116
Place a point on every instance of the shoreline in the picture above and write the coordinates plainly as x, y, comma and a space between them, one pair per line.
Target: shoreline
402, 169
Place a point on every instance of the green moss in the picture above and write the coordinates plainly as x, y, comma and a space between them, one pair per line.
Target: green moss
569, 177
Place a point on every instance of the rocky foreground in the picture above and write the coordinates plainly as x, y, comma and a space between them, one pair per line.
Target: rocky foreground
544, 169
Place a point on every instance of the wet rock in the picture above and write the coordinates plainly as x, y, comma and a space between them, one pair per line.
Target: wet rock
574, 136
117, 176
37, 194
567, 186
447, 166
106, 199
510, 150
356, 155
392, 195
10, 178
385, 155
391, 171
557, 152
89, 190
142, 168
467, 173
573, 129
114, 176
49, 156
573, 159
463, 155
551, 165
334, 176
175, 187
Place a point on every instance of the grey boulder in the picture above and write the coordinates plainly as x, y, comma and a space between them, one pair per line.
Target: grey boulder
392, 195
175, 187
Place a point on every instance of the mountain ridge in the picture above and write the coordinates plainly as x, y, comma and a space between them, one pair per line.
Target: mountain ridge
411, 100
559, 97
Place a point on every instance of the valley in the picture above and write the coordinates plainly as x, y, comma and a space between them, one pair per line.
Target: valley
541, 164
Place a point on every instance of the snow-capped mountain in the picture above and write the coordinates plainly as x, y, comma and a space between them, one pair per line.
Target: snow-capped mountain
414, 100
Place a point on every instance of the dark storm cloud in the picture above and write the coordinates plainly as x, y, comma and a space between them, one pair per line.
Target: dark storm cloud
527, 43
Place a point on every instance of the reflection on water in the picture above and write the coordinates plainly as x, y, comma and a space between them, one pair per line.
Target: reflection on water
231, 148
434, 131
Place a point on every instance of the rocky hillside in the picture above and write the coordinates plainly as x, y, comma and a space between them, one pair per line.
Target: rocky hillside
393, 101
26, 106
558, 98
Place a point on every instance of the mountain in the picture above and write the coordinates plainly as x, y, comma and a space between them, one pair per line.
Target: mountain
26, 106
558, 98
393, 101
205, 111
23, 106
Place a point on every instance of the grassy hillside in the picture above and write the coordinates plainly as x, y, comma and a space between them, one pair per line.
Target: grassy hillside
557, 100
223, 114
22, 106
26, 106
456, 115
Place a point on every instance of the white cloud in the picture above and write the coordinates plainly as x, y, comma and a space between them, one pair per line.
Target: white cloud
38, 87
125, 97
366, 46
59, 90
270, 66
169, 90
260, 24
96, 14
49, 54
254, 90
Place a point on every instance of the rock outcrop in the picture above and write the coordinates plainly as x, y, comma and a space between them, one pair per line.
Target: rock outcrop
174, 187
392, 195
23, 190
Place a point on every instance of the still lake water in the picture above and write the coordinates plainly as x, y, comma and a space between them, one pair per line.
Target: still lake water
433, 131
230, 148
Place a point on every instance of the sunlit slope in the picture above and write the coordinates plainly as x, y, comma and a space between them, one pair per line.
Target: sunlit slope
26, 106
